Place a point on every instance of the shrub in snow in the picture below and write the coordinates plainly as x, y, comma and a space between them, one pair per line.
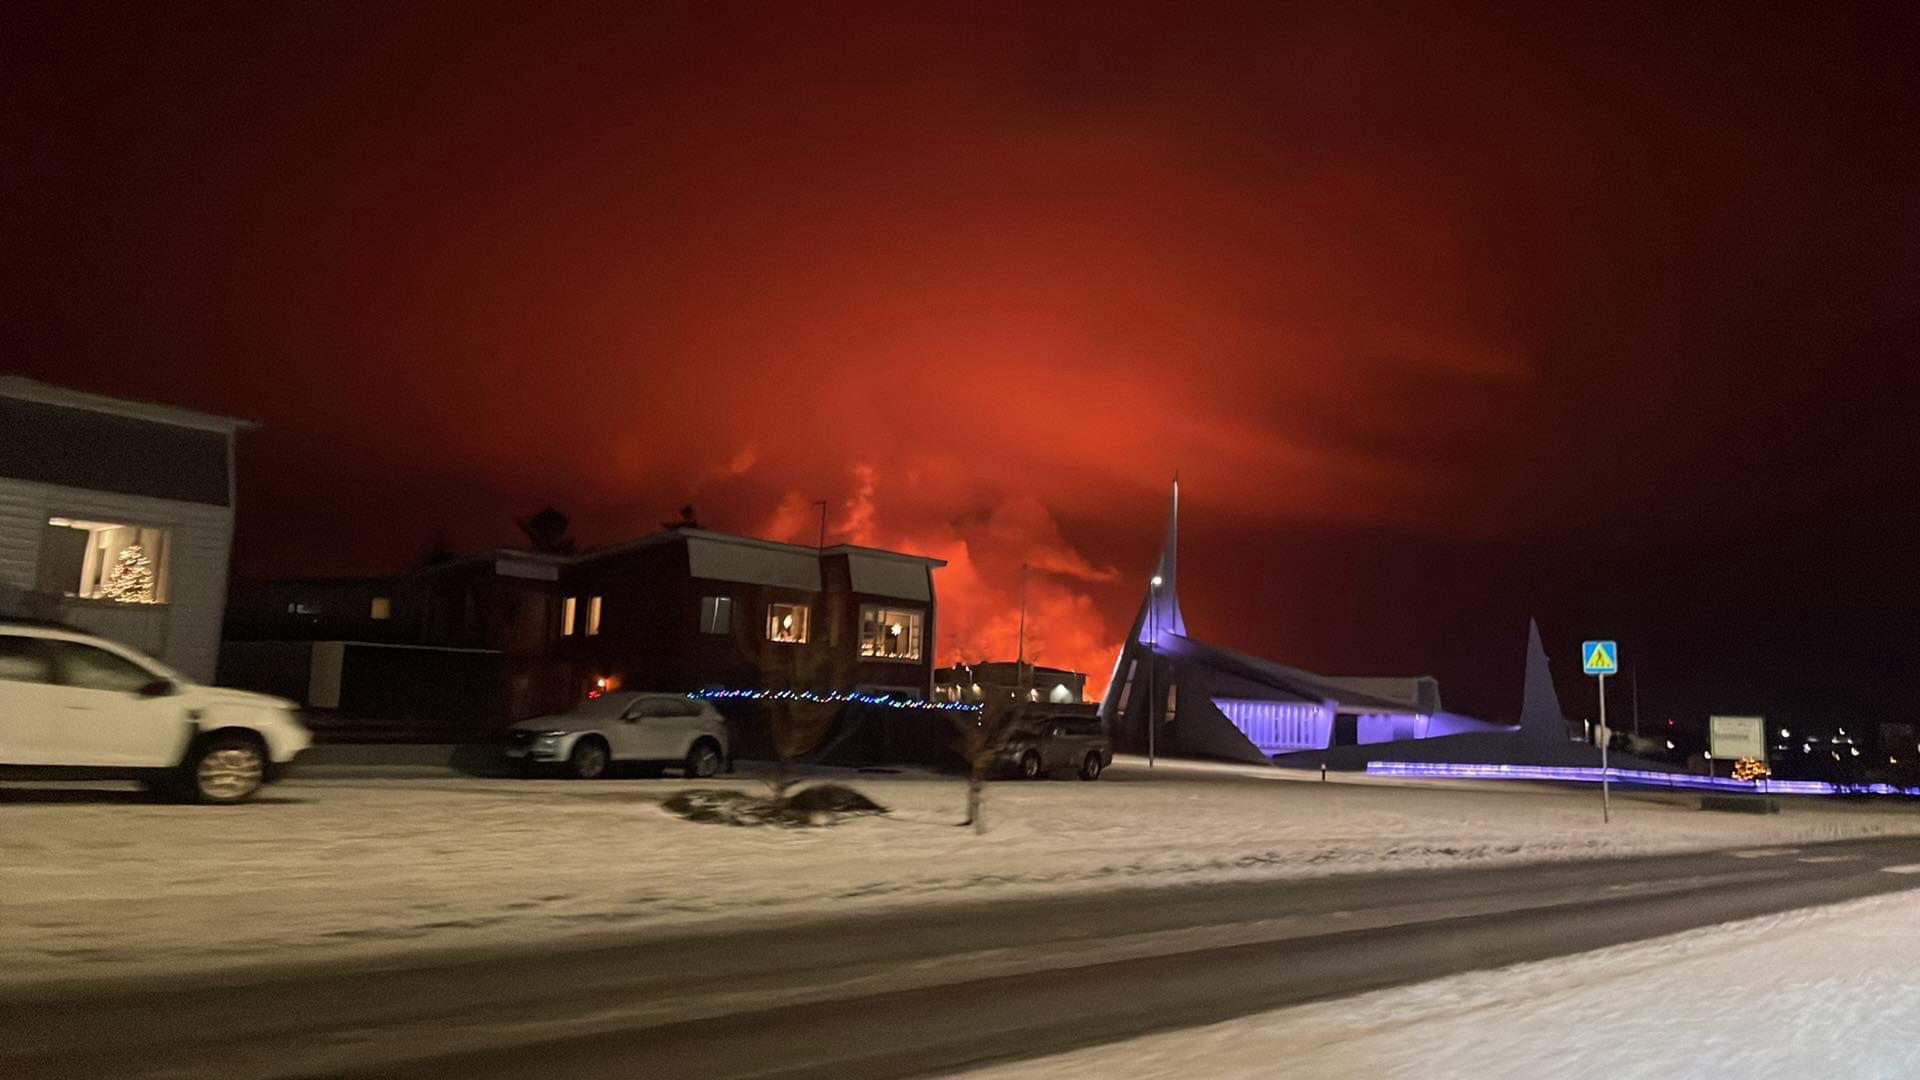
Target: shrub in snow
819, 805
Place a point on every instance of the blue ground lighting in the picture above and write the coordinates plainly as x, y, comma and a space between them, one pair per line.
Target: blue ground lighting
1416, 770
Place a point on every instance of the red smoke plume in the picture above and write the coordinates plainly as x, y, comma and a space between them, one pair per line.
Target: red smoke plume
979, 589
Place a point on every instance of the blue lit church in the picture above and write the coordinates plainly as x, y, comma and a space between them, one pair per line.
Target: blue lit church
1184, 697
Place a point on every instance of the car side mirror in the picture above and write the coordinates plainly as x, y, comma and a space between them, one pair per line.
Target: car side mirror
159, 688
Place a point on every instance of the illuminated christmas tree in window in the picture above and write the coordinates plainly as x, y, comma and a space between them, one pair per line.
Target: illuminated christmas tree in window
131, 580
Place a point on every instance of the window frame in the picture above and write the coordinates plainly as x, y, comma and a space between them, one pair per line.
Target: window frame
717, 605
883, 616
94, 558
803, 631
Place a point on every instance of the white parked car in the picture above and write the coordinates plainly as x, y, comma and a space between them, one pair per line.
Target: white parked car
651, 729
75, 706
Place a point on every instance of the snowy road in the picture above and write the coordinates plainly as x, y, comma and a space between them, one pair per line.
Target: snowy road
932, 989
1819, 992
107, 884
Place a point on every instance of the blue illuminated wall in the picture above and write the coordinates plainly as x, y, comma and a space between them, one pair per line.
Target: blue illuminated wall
1278, 727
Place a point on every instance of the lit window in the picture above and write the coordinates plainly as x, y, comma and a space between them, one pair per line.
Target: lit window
568, 608
890, 633
593, 615
787, 623
104, 560
1060, 695
382, 608
716, 614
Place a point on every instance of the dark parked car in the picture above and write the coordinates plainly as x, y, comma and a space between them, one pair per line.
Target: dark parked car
1045, 741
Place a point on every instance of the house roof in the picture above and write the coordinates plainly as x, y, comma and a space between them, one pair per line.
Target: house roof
669, 536
22, 388
809, 564
1037, 669
495, 557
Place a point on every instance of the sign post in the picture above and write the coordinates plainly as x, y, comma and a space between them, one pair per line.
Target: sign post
1601, 659
1736, 737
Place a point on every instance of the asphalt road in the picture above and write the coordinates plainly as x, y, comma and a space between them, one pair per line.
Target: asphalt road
913, 991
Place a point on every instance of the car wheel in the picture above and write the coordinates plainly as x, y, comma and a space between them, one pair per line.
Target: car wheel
703, 760
1030, 765
1090, 769
589, 759
227, 769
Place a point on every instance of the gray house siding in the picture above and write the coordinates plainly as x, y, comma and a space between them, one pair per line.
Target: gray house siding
184, 632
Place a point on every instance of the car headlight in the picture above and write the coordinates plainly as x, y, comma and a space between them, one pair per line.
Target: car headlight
548, 738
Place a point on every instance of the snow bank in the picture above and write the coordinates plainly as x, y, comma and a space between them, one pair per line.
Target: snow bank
95, 883
1827, 992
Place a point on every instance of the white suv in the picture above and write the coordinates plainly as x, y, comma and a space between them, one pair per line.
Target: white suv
652, 729
76, 706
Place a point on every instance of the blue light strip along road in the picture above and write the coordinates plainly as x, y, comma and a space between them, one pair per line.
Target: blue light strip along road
1416, 770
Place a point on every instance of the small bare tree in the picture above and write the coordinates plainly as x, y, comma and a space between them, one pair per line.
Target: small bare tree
982, 735
797, 729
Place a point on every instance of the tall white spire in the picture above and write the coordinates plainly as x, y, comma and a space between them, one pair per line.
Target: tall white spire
1159, 618
1161, 613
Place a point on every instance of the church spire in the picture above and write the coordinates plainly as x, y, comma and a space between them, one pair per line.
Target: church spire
1161, 612
1158, 619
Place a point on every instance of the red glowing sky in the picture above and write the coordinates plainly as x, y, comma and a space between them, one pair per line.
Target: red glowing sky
1433, 318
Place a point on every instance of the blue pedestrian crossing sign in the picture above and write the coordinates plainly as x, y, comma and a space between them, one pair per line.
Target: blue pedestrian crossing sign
1599, 657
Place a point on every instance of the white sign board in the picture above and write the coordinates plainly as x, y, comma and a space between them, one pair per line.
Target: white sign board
1733, 737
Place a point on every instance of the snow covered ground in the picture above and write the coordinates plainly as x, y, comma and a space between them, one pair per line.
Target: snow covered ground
1825, 992
96, 882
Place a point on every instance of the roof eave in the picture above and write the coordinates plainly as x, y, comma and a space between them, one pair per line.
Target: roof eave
22, 388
